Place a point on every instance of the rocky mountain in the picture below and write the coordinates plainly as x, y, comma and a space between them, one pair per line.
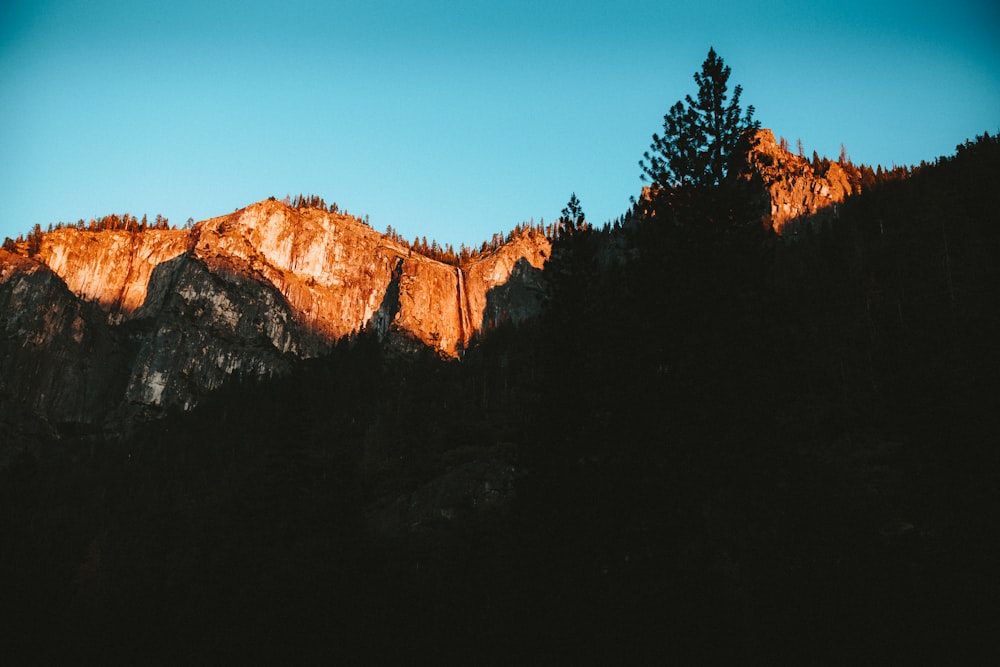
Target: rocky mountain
791, 188
134, 321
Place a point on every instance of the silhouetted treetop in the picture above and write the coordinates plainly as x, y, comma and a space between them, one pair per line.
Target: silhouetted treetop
573, 218
699, 135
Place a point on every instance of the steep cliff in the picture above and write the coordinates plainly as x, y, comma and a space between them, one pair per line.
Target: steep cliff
243, 293
793, 190
111, 268
58, 357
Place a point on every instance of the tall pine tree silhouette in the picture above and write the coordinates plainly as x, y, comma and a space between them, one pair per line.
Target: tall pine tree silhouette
699, 135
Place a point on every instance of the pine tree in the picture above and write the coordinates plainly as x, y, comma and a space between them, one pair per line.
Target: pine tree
573, 218
35, 240
699, 135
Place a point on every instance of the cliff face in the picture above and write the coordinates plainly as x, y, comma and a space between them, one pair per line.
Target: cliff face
793, 190
242, 293
58, 357
339, 276
110, 268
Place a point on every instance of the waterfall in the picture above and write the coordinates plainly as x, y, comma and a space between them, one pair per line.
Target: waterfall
464, 317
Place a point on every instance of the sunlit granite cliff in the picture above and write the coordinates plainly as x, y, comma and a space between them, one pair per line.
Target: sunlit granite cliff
792, 188
243, 293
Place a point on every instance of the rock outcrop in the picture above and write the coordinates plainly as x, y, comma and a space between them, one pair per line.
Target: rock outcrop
245, 293
793, 190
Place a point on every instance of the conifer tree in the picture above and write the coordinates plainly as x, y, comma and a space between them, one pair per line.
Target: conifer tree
35, 240
573, 218
699, 135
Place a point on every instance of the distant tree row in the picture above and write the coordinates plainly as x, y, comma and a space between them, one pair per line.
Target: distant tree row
310, 201
448, 255
114, 222
317, 202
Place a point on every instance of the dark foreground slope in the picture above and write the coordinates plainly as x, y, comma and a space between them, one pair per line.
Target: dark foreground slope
724, 448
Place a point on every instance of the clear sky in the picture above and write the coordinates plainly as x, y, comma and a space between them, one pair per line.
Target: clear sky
452, 120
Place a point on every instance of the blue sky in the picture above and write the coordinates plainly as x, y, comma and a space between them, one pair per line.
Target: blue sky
451, 120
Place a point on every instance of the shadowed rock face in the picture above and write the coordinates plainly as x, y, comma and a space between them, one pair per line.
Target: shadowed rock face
242, 293
58, 357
